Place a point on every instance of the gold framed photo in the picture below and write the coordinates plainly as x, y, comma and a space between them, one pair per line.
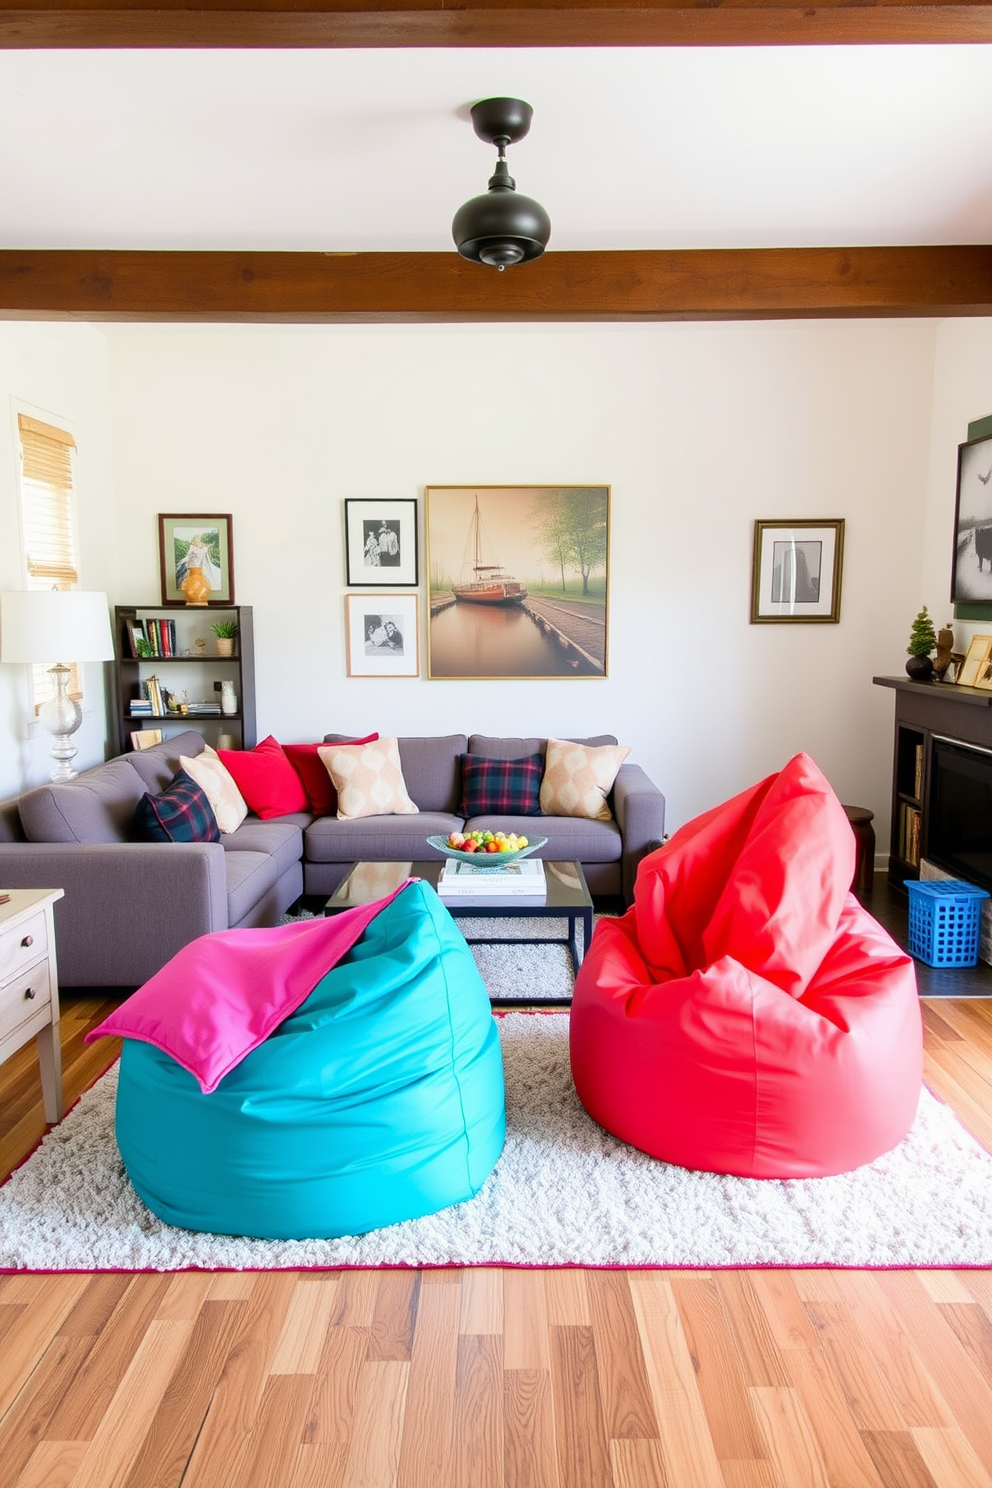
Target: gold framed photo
796, 572
976, 670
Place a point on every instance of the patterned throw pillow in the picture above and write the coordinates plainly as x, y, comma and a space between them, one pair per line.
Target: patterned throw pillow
578, 778
496, 787
216, 782
181, 813
368, 779
311, 769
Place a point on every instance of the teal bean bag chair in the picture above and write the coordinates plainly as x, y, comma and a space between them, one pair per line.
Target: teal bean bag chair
379, 1099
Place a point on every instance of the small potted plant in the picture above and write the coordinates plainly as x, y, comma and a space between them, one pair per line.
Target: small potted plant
225, 631
922, 640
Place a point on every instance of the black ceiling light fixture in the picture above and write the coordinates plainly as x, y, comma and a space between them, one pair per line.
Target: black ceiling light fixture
502, 227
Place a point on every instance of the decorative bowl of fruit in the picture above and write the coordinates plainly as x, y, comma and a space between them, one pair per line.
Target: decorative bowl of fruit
486, 850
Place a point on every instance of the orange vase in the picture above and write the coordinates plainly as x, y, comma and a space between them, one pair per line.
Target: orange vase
195, 587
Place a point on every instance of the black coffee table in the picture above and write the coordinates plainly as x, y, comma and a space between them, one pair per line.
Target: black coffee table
566, 897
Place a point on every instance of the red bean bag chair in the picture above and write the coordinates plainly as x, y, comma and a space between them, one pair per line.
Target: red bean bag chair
746, 1015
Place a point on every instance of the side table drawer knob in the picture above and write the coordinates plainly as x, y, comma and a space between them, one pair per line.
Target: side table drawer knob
30, 994
27, 941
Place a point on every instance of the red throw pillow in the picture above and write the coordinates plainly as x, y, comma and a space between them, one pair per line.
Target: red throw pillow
266, 779
312, 771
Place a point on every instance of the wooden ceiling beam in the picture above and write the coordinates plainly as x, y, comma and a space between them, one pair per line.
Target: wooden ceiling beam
478, 23
682, 284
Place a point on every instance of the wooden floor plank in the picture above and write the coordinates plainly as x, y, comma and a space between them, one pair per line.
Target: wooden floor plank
726, 1401
625, 1394
374, 1451
686, 1443
428, 1420
161, 1460
580, 1431
477, 1428
118, 1438
789, 1437
530, 1454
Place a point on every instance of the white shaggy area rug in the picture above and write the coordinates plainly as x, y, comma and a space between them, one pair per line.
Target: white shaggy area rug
564, 1192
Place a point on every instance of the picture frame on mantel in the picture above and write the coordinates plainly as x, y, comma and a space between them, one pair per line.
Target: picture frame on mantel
380, 543
208, 541
796, 570
971, 567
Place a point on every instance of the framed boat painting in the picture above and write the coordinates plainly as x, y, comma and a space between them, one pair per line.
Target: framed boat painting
518, 581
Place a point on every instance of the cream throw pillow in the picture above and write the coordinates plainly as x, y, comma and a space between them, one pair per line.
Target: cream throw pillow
368, 779
217, 784
579, 777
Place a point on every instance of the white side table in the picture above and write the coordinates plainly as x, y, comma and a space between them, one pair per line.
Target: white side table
29, 986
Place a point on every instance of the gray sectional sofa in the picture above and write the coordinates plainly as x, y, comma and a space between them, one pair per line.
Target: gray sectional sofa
129, 906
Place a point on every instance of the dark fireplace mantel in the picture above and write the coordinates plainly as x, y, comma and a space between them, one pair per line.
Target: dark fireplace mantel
925, 709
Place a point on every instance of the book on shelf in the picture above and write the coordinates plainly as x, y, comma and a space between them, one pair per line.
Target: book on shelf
918, 771
910, 821
203, 710
525, 876
145, 738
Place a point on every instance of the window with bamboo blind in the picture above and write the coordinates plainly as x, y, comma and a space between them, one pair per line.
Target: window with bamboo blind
48, 515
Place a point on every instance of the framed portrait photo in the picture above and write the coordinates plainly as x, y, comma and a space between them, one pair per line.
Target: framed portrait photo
796, 572
971, 567
382, 635
197, 558
380, 542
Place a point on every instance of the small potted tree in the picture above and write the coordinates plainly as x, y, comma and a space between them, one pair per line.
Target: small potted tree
922, 641
227, 630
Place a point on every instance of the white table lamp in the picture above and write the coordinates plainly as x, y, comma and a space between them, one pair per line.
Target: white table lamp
44, 625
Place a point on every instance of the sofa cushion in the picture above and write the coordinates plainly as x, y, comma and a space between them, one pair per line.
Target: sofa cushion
309, 766
249, 876
501, 748
181, 813
215, 779
281, 840
368, 779
501, 787
266, 779
569, 837
98, 806
431, 767
159, 764
376, 839
578, 779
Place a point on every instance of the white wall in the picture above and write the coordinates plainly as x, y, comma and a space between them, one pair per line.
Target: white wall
699, 429
59, 372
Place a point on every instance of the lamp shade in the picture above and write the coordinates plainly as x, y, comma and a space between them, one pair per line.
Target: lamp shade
53, 625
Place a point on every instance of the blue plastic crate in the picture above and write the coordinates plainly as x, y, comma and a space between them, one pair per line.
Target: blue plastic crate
944, 921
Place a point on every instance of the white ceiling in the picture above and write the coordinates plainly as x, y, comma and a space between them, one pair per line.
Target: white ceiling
629, 148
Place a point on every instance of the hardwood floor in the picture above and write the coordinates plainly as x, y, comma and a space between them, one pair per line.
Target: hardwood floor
477, 1378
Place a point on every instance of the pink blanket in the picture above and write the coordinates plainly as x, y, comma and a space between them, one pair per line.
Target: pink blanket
223, 994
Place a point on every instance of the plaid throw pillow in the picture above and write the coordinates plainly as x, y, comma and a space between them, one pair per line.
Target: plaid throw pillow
181, 813
495, 787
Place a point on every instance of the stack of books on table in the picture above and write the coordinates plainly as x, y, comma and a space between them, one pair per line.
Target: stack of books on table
525, 876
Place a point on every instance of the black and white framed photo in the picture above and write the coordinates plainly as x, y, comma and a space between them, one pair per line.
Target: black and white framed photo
796, 571
971, 569
381, 542
383, 637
